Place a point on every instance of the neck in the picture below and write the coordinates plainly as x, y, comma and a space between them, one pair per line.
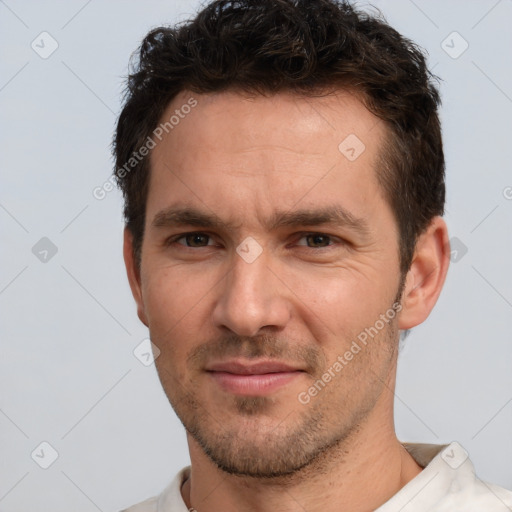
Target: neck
360, 474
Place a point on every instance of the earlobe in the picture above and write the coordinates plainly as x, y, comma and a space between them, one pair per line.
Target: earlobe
426, 276
133, 273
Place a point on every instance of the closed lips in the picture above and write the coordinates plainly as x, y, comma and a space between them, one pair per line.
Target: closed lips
252, 369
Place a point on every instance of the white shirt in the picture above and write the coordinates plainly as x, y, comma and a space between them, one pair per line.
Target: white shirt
447, 484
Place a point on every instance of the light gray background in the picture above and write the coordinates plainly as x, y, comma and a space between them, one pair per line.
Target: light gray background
68, 375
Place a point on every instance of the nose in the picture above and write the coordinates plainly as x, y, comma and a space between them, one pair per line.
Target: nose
250, 298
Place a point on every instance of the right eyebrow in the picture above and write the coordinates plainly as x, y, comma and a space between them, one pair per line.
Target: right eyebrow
176, 217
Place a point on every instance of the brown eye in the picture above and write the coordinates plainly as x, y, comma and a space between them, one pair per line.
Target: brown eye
194, 240
318, 240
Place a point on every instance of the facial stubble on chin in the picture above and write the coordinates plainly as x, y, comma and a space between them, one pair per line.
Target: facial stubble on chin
299, 441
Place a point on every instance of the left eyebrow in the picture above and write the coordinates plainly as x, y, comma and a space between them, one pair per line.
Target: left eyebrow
335, 215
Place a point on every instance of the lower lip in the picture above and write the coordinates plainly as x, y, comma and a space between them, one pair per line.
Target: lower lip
254, 385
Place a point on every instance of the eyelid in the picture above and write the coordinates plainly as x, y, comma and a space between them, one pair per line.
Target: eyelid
174, 238
298, 236
334, 240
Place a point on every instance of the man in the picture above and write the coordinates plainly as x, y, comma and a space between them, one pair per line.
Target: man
283, 174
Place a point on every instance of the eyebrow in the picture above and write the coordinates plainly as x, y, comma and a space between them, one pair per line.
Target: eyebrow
335, 215
175, 217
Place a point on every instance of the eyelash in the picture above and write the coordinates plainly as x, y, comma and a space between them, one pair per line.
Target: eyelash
175, 238
333, 239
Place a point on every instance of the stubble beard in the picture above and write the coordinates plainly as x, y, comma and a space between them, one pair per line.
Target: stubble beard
259, 445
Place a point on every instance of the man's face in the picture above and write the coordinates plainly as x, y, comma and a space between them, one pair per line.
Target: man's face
244, 262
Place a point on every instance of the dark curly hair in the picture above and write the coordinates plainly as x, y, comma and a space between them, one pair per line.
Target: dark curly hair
302, 46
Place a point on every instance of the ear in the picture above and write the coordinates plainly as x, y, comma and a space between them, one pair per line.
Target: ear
133, 272
426, 275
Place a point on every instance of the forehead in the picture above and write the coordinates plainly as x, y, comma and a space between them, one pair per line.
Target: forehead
241, 150
283, 117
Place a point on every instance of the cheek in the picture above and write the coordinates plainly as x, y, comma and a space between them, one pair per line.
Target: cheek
172, 298
339, 301
172, 304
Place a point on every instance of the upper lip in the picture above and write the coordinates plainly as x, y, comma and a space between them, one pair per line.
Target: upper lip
258, 368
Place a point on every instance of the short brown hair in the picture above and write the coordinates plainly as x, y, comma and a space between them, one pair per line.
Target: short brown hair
303, 46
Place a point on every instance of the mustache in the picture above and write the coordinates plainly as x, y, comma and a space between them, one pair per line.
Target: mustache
266, 346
